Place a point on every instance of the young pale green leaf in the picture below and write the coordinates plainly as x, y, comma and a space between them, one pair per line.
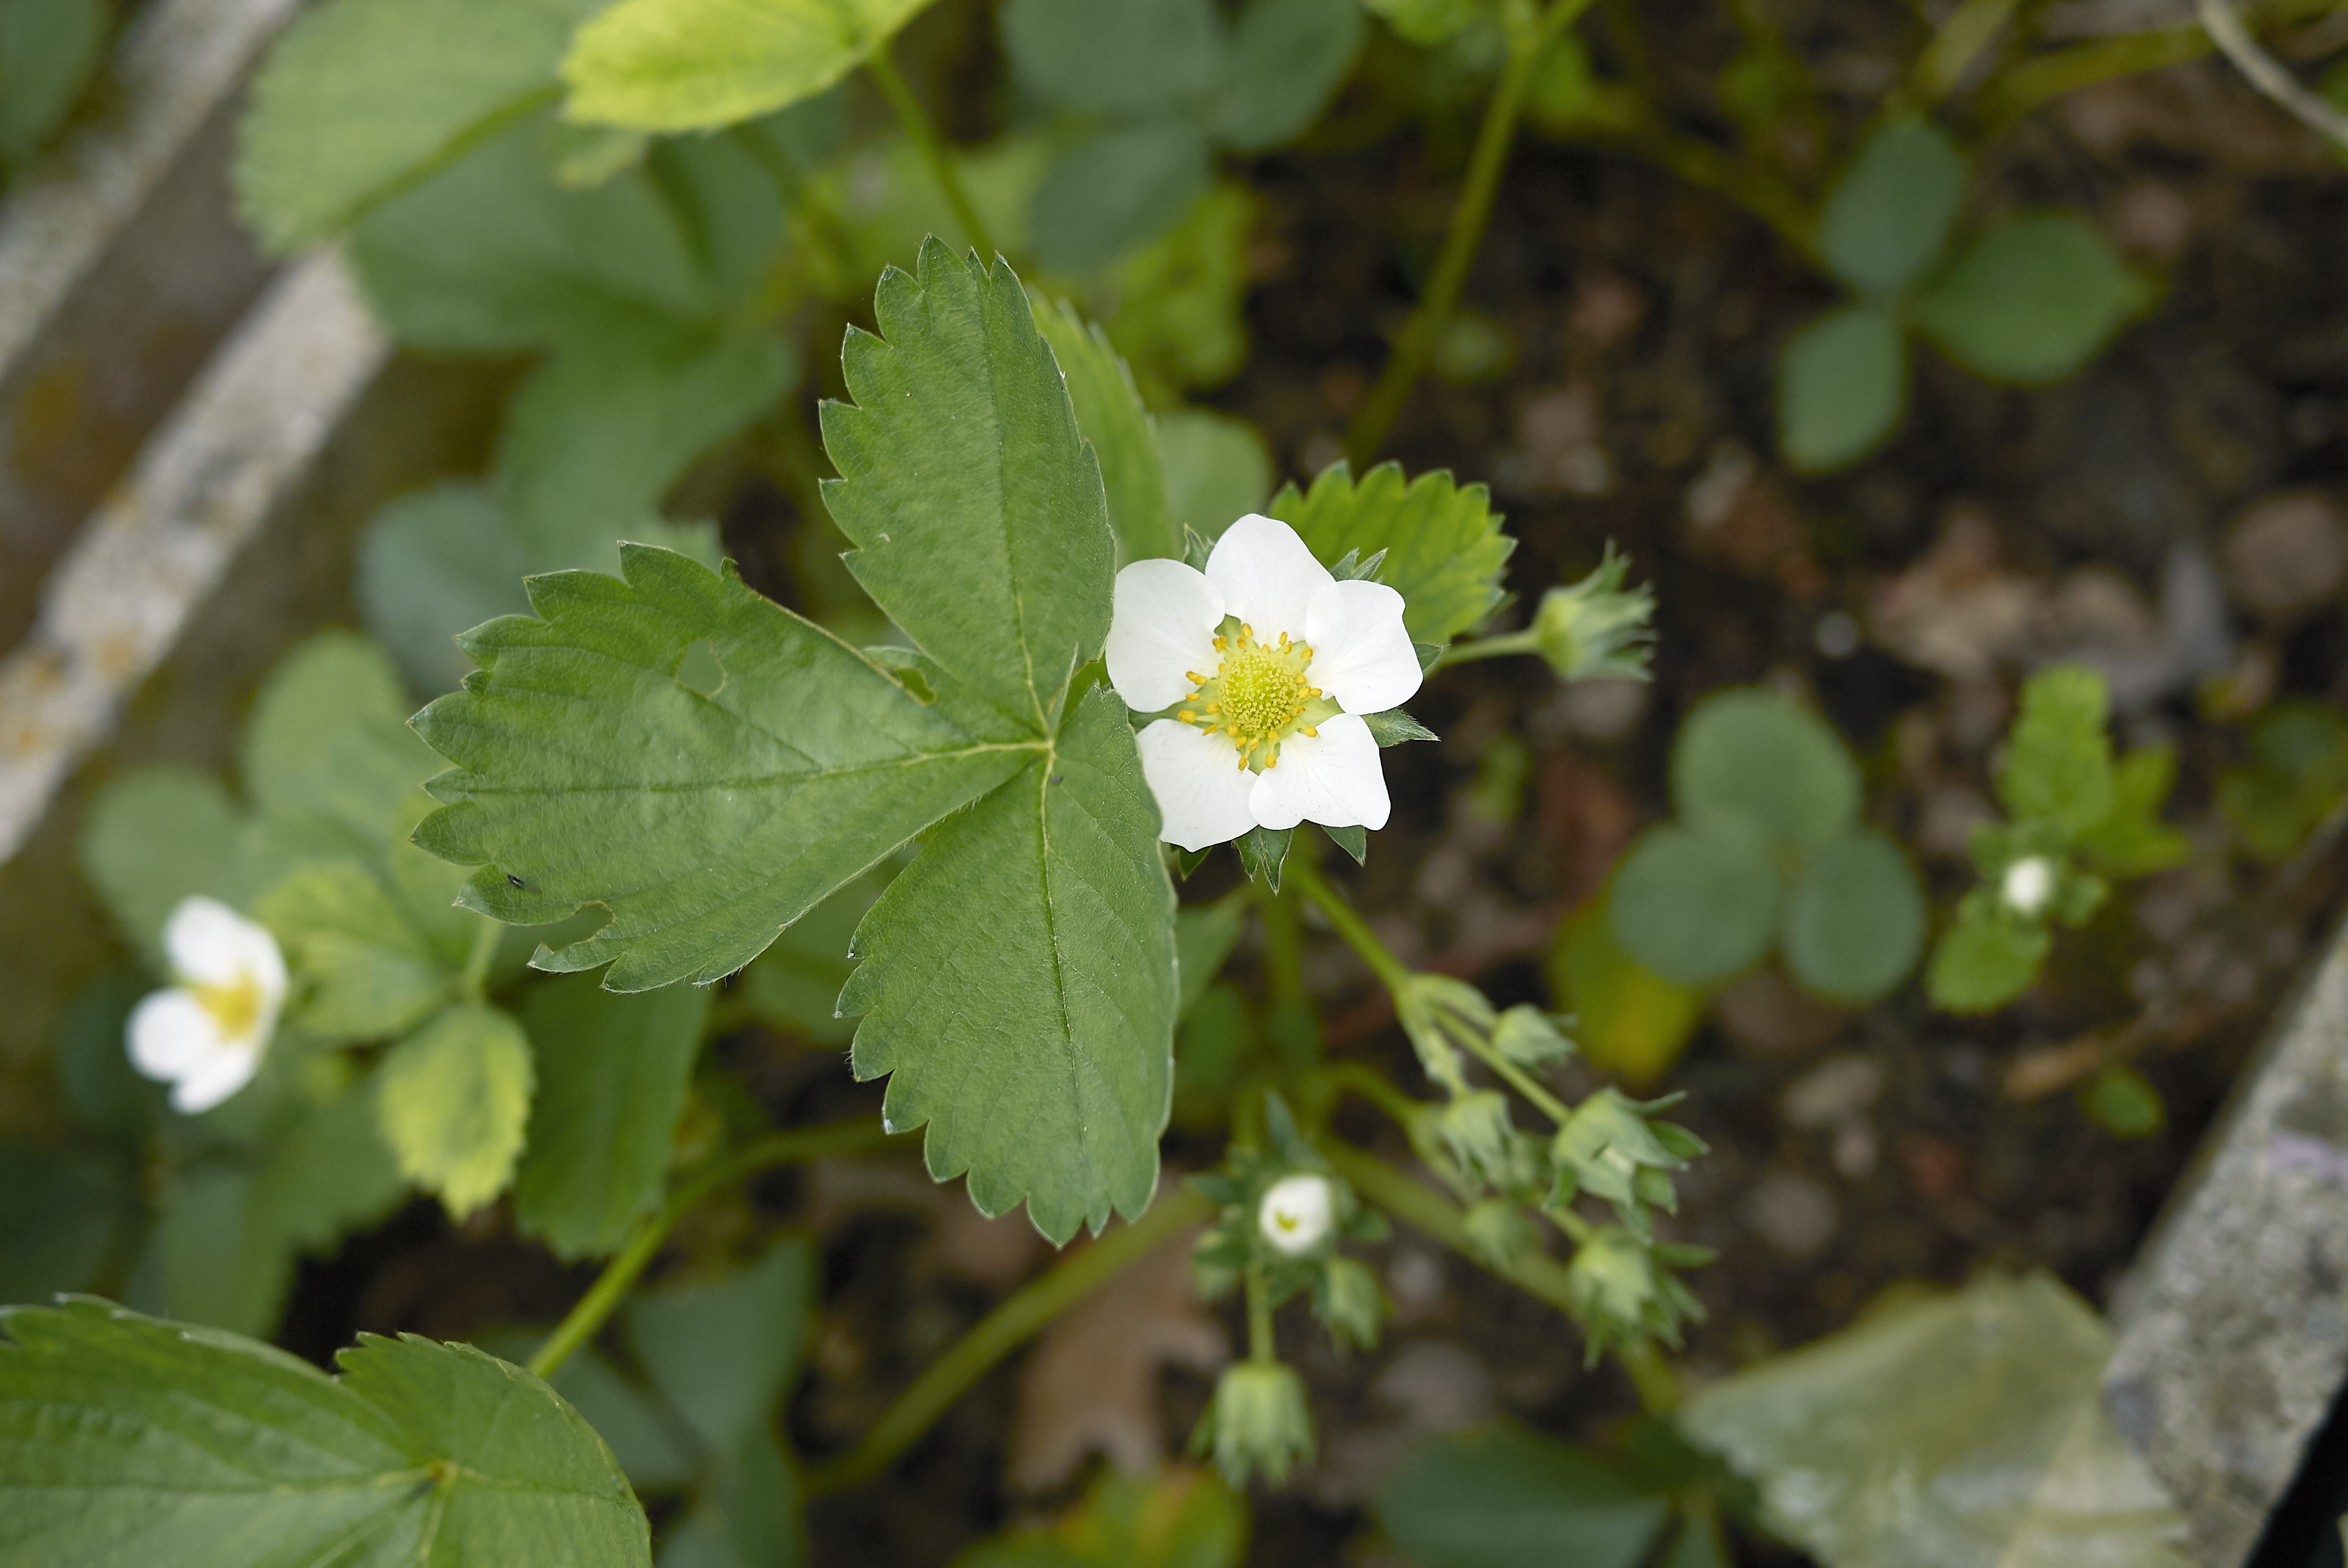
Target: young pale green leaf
2057, 767
2119, 1099
1110, 415
1695, 905
131, 1441
2032, 302
48, 50
723, 1351
453, 1101
1854, 921
1984, 961
979, 519
695, 65
1842, 387
587, 771
367, 971
612, 1075
1919, 1401
1889, 213
1036, 1042
1445, 549
328, 738
1751, 760
1498, 1496
432, 564
1175, 1517
1112, 192
1287, 57
1217, 470
1133, 58
363, 98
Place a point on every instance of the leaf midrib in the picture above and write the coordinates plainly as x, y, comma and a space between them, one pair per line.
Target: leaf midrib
763, 781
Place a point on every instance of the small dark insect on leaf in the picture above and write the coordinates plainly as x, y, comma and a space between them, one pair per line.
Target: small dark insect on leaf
1057, 777
517, 881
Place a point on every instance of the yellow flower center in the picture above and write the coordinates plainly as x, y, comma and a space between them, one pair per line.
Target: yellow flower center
235, 1007
1258, 695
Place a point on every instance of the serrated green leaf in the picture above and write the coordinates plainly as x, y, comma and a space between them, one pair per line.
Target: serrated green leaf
1695, 905
1986, 960
2057, 767
1752, 760
1854, 920
612, 1073
1132, 59
2131, 840
367, 972
723, 1351
1889, 213
588, 773
210, 1451
432, 565
1287, 57
1118, 189
979, 519
328, 738
48, 51
694, 65
1842, 387
1064, 1110
1445, 549
361, 98
2032, 302
453, 1101
1217, 470
1499, 1496
1110, 416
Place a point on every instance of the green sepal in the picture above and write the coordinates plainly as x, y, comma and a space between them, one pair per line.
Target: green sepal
1264, 851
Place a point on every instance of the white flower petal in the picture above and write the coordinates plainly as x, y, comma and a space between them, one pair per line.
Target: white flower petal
1202, 792
1360, 654
213, 1081
171, 1033
1295, 1213
1161, 627
1333, 779
1267, 575
212, 945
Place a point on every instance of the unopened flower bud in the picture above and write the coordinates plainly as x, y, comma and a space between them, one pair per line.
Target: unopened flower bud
1296, 1213
1477, 1127
1258, 1421
1596, 628
1499, 1234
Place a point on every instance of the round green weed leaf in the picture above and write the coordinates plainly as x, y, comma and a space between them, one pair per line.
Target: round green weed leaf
2119, 1101
1855, 919
1694, 906
2032, 301
1842, 385
1890, 211
1757, 762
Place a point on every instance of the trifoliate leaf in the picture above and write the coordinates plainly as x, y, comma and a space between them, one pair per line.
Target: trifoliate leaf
1499, 1496
1135, 57
1986, 959
1110, 414
1217, 470
612, 1073
1854, 920
2058, 762
2032, 301
1889, 213
1037, 1040
1842, 385
1287, 57
432, 565
1109, 194
588, 771
1754, 761
48, 49
1445, 549
453, 1101
364, 97
694, 65
980, 522
1695, 905
207, 1447
367, 971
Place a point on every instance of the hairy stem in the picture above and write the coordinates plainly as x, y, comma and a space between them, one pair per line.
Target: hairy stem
925, 140
1001, 1332
486, 938
794, 1147
1461, 238
1475, 648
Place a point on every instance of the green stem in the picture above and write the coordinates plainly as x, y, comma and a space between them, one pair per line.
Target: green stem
2038, 81
793, 1147
1391, 972
1003, 1331
1523, 1082
1955, 46
1506, 642
1360, 1078
1461, 239
486, 938
925, 142
1261, 1349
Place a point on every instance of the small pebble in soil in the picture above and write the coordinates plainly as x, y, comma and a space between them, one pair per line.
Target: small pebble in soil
1833, 1091
1792, 1213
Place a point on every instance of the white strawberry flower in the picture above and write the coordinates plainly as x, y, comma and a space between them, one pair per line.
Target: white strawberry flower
1268, 662
1296, 1212
206, 1035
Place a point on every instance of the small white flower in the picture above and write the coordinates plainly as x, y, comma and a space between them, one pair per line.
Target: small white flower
1273, 661
1296, 1212
205, 1036
2027, 885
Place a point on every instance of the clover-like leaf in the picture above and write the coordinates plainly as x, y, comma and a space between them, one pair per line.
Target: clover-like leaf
694, 65
1287, 57
1752, 760
1445, 549
1854, 919
2032, 301
1842, 385
1695, 905
1889, 213
130, 1442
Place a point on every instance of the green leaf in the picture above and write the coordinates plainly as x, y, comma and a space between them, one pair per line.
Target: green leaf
2119, 1101
612, 1073
369, 972
1062, 1107
48, 51
1627, 1019
2057, 767
328, 1171
453, 1102
1695, 905
1855, 919
2296, 777
1180, 315
1114, 191
1204, 936
2131, 840
1428, 21
1754, 761
1133, 58
1499, 1497
362, 98
1888, 215
1393, 726
1918, 1402
1842, 387
1003, 575
695, 65
431, 564
134, 1442
156, 835
1984, 961
1287, 57
723, 1351
1217, 470
796, 983
644, 1437
1445, 549
328, 738
588, 773
2032, 302
1110, 414
1175, 1517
